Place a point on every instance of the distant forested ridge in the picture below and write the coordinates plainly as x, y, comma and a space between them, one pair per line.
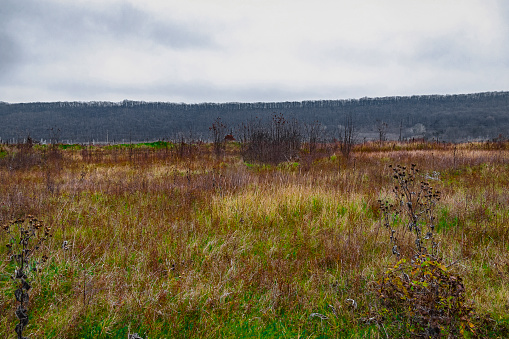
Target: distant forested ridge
459, 117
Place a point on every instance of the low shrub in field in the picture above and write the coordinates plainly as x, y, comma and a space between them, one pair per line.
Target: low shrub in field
426, 297
272, 143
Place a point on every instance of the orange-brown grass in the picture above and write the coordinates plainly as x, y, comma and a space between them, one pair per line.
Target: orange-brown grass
168, 243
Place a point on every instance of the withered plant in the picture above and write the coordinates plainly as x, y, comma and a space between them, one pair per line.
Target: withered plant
274, 142
419, 289
25, 239
413, 208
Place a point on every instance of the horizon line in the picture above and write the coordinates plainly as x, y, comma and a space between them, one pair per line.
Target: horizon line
256, 102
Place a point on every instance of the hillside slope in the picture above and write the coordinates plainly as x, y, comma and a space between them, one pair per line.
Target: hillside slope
445, 117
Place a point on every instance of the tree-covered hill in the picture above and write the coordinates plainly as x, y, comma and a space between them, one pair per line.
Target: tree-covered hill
444, 117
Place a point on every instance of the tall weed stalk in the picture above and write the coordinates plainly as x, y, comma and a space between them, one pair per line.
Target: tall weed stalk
25, 239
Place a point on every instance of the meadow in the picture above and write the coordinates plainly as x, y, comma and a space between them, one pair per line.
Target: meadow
179, 241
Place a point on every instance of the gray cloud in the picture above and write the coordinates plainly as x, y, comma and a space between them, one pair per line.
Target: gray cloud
10, 48
69, 25
144, 50
127, 22
203, 92
446, 51
45, 46
10, 54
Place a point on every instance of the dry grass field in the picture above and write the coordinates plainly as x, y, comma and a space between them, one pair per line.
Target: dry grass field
168, 241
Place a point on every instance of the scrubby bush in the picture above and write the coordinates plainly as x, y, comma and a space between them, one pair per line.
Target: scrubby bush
273, 142
426, 297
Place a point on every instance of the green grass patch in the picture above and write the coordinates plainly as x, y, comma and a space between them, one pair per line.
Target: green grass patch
75, 147
445, 222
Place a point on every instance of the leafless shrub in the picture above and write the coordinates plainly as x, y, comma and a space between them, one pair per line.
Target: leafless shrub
273, 142
218, 130
347, 137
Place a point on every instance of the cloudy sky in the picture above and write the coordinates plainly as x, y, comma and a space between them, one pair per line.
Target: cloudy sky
250, 50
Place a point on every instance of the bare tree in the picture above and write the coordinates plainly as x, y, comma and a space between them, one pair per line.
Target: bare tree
382, 126
347, 136
218, 130
314, 133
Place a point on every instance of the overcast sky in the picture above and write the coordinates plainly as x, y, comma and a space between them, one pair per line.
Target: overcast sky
250, 50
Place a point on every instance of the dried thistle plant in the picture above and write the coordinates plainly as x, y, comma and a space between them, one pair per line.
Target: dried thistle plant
420, 289
25, 238
414, 206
